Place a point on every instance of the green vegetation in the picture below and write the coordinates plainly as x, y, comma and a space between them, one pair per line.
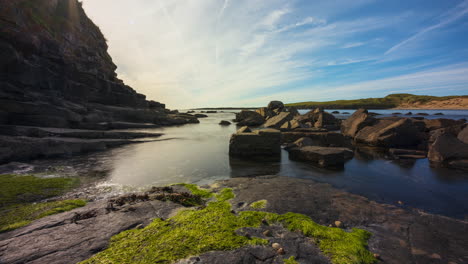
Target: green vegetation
212, 228
16, 189
21, 215
196, 190
291, 260
259, 204
18, 192
389, 101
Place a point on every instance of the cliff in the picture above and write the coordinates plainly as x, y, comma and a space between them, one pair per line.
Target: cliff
55, 71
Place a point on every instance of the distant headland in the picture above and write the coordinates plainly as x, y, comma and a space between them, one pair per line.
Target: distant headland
402, 101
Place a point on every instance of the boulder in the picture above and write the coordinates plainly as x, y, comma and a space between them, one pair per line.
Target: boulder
257, 144
265, 112
200, 115
293, 110
278, 120
225, 123
276, 106
454, 130
244, 129
249, 118
211, 112
447, 148
433, 124
319, 119
325, 139
463, 135
391, 132
290, 125
359, 119
321, 156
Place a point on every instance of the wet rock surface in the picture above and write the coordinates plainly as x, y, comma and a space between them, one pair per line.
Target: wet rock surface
398, 235
291, 243
322, 156
260, 143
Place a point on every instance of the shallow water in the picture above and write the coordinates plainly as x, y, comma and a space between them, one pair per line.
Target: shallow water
198, 153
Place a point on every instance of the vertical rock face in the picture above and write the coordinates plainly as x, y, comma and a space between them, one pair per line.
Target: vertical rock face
55, 70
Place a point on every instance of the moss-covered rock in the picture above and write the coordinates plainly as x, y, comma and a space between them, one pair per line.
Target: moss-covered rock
17, 194
213, 228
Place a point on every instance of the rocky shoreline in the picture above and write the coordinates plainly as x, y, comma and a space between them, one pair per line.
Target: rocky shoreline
55, 72
320, 138
398, 235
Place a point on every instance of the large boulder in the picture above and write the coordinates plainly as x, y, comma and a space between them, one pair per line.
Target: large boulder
276, 106
463, 135
319, 119
433, 124
454, 130
325, 139
447, 148
260, 143
249, 118
265, 112
322, 156
279, 120
391, 132
351, 126
293, 110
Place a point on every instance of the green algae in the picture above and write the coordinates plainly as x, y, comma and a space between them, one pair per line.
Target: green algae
290, 260
213, 228
259, 204
17, 194
16, 189
204, 193
23, 214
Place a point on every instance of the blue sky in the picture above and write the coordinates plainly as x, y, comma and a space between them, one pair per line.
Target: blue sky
198, 53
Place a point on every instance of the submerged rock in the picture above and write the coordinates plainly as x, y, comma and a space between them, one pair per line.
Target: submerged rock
225, 123
322, 156
249, 118
260, 143
391, 132
447, 148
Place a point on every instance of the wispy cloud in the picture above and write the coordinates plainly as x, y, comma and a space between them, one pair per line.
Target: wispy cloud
353, 45
443, 20
214, 53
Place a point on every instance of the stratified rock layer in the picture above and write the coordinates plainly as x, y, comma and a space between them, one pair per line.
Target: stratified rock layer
55, 71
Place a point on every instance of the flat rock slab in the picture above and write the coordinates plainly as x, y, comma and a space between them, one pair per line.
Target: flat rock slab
399, 235
29, 131
57, 239
322, 156
26, 148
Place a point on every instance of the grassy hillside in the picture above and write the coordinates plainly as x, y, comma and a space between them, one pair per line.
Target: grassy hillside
389, 101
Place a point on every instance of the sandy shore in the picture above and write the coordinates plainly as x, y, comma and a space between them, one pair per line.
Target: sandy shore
455, 104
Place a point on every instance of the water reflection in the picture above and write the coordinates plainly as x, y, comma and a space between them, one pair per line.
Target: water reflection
198, 153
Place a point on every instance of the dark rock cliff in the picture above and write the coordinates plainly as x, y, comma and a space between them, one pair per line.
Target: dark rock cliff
55, 71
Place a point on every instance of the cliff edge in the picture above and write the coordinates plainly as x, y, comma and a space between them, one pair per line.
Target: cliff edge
55, 71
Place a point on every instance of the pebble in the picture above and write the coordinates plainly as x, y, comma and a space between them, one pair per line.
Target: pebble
377, 256
276, 246
281, 251
338, 224
267, 233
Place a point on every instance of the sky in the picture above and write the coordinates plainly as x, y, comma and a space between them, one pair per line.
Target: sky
214, 53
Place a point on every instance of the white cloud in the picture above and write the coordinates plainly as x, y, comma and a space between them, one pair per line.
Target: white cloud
217, 53
445, 19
